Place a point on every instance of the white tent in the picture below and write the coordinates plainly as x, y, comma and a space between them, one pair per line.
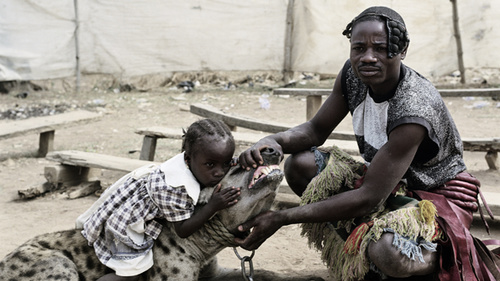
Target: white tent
131, 38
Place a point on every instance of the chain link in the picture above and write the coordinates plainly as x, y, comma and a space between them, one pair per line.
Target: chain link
246, 259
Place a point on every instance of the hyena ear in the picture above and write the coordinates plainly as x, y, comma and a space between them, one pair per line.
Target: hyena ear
205, 195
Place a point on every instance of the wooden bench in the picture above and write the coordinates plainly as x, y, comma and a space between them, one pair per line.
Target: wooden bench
489, 145
96, 160
71, 159
234, 121
86, 160
46, 127
314, 96
152, 134
77, 173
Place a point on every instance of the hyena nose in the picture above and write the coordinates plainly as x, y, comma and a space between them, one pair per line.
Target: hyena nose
270, 155
270, 151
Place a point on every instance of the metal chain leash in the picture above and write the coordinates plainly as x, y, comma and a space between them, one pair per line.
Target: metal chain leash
246, 259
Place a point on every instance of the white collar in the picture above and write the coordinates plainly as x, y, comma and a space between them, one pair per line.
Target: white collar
178, 174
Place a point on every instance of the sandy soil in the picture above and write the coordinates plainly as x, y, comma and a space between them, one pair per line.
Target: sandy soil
123, 112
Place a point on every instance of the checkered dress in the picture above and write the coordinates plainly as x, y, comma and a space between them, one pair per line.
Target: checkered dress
136, 202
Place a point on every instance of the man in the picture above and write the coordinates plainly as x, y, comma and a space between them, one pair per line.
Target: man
354, 213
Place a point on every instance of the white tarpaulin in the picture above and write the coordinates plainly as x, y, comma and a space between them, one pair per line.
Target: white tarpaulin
141, 37
320, 46
130, 38
36, 39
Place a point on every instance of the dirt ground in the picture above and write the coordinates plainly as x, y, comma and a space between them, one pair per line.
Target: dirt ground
124, 111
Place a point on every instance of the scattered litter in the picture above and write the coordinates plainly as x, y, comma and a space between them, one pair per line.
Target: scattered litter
141, 100
468, 98
183, 107
292, 83
24, 112
479, 80
264, 102
22, 95
478, 105
98, 101
8, 163
283, 96
229, 86
126, 88
306, 76
179, 98
188, 86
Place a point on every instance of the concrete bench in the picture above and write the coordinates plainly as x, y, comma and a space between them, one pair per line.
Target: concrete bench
46, 127
314, 96
152, 134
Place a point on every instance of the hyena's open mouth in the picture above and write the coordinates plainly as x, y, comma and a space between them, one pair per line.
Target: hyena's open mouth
263, 172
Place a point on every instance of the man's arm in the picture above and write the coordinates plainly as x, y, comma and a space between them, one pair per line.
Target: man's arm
306, 135
387, 168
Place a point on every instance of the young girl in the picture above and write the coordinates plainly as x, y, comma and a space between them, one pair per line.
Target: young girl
123, 228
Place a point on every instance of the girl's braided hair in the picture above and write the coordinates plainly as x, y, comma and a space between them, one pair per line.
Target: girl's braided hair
202, 128
397, 35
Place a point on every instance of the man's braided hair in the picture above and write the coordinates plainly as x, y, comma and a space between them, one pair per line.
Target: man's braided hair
397, 35
202, 128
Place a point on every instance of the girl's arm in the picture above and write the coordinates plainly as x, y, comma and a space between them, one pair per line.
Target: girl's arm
220, 199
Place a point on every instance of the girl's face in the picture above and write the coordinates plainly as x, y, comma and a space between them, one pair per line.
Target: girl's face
210, 159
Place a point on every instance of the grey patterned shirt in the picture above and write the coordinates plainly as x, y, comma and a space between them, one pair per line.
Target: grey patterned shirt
439, 157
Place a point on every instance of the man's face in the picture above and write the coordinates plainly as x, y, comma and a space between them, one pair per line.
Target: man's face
369, 57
